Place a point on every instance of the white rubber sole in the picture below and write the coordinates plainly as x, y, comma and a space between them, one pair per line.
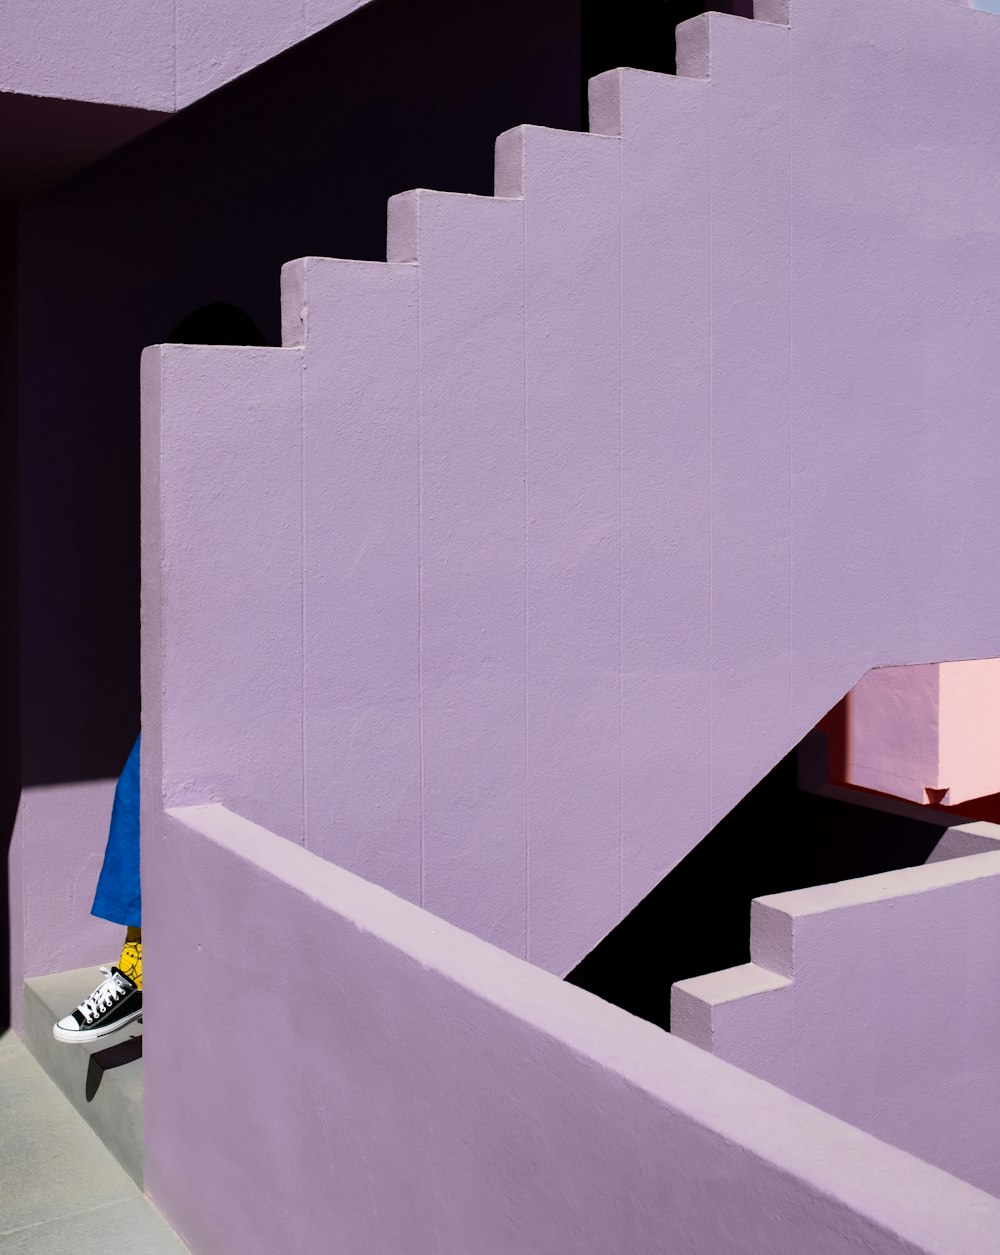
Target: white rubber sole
84, 1035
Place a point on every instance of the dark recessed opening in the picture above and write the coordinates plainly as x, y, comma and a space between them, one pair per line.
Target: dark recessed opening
697, 919
217, 323
639, 34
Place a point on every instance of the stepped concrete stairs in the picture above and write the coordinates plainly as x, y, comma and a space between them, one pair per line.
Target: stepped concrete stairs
857, 990
554, 544
102, 1080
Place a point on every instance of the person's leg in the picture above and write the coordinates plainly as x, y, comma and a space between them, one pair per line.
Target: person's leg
117, 1001
130, 963
119, 896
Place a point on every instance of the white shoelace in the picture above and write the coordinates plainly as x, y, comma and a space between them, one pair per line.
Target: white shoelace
105, 995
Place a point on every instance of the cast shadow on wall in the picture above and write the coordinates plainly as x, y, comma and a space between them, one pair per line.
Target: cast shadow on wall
697, 919
216, 199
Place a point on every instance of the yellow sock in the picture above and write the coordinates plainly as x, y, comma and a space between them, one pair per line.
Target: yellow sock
130, 964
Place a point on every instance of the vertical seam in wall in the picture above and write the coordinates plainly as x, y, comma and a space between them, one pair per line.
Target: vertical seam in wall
790, 1059
711, 477
621, 540
175, 57
524, 454
420, 555
161, 562
302, 561
791, 407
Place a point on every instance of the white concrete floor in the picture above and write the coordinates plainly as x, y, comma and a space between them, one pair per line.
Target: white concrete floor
61, 1191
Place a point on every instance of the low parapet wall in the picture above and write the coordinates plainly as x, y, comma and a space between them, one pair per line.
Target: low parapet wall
876, 1000
328, 1066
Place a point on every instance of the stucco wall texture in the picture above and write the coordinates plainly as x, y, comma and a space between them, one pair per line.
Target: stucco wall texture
559, 530
927, 733
874, 999
160, 55
377, 1080
113, 260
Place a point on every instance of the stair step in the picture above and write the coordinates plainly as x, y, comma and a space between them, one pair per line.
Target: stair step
103, 1080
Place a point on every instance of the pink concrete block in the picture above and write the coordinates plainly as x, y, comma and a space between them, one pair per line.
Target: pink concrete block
892, 732
969, 730
927, 733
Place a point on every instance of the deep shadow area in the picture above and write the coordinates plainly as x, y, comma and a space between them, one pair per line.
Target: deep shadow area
697, 919
115, 1056
639, 34
296, 158
10, 682
44, 139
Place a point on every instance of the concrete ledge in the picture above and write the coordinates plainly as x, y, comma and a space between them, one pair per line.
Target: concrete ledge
859, 998
103, 1081
440, 1094
695, 1003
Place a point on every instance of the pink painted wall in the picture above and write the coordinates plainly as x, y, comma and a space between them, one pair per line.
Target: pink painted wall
875, 1000
937, 727
970, 730
425, 1092
893, 732
616, 556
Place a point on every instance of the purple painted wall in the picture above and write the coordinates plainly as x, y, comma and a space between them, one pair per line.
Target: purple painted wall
876, 1000
160, 55
358, 1072
217, 42
113, 259
105, 51
685, 481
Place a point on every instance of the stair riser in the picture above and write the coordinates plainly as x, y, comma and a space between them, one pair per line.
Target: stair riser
108, 1097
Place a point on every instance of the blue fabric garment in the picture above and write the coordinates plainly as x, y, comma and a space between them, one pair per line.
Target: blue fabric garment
119, 897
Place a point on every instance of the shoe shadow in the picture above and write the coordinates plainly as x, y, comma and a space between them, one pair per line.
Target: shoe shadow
115, 1056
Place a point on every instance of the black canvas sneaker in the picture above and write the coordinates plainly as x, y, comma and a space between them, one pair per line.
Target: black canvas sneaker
113, 1004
